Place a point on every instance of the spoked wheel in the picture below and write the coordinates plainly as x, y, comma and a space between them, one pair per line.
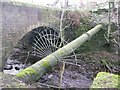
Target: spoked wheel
46, 41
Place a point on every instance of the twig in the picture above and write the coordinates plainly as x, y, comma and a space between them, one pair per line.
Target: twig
61, 76
106, 38
62, 38
61, 24
106, 64
27, 58
67, 26
71, 63
42, 84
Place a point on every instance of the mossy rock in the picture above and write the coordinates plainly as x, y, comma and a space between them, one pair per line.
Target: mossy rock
106, 80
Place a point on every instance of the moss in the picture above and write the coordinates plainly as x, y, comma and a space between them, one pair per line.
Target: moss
45, 64
28, 72
106, 80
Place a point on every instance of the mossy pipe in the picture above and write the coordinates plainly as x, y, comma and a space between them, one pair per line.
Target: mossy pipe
35, 71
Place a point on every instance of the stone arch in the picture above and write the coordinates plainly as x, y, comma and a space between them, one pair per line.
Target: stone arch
45, 37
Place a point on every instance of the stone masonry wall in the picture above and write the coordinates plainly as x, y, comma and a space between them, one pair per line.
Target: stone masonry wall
17, 20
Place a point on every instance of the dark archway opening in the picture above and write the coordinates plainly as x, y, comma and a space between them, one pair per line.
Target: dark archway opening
34, 46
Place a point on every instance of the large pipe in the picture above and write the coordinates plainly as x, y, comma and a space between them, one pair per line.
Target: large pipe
35, 71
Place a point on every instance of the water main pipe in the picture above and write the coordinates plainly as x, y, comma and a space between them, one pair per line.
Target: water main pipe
35, 71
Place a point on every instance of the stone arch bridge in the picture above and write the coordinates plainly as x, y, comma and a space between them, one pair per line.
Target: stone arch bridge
18, 19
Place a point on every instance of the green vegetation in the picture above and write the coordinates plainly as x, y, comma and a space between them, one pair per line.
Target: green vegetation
95, 43
106, 80
98, 42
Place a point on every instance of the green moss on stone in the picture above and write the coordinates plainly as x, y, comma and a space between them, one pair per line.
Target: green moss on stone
106, 80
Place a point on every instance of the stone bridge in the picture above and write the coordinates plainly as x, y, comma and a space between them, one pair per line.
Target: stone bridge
17, 19
20, 18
